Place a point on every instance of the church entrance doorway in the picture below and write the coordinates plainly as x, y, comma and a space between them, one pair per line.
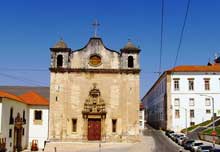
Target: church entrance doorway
94, 115
94, 129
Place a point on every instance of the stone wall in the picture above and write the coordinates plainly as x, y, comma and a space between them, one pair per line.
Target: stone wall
69, 91
209, 138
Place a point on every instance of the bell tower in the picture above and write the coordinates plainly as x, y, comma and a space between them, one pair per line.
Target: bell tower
60, 55
130, 56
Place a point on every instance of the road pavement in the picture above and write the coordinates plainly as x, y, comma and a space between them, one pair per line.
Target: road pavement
162, 143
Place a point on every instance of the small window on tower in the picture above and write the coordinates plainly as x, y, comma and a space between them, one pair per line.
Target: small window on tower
74, 125
114, 124
59, 61
130, 62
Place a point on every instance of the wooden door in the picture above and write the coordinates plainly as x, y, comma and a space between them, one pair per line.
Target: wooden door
94, 129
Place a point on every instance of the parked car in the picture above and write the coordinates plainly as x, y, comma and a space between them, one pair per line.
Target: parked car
181, 139
177, 136
194, 147
168, 132
215, 150
172, 135
204, 148
188, 144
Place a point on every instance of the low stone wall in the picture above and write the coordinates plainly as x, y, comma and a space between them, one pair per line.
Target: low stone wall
209, 138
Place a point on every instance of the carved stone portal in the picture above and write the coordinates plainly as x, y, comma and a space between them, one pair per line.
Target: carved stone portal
94, 114
94, 104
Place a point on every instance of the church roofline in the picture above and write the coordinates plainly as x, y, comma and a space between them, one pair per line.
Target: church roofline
60, 49
77, 70
96, 38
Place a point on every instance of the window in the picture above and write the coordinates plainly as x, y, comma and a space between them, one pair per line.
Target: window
10, 133
56, 98
192, 114
74, 125
130, 62
176, 84
37, 115
140, 115
207, 102
24, 120
57, 88
11, 119
207, 84
191, 84
176, 102
192, 123
95, 60
177, 113
191, 102
114, 124
140, 123
208, 111
59, 61
23, 131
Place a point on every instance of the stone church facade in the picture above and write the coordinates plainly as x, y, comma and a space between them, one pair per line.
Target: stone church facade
94, 93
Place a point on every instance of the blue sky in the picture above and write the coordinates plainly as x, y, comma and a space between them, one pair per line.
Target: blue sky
29, 28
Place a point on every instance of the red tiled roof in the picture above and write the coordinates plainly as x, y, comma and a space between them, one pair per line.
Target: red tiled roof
30, 98
33, 98
4, 94
196, 68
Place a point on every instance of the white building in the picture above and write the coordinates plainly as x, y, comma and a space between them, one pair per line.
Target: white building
22, 119
141, 117
182, 96
38, 108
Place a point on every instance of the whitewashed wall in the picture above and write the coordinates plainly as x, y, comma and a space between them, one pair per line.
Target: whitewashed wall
141, 119
18, 107
38, 132
184, 94
0, 117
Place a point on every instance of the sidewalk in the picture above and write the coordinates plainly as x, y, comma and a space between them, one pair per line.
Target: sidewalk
146, 145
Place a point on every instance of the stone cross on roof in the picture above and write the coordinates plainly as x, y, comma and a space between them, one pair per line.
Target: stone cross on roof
95, 25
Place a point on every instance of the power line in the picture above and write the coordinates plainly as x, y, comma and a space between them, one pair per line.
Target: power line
23, 79
23, 69
161, 35
182, 32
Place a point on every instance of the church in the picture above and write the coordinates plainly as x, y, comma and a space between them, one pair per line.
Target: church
94, 93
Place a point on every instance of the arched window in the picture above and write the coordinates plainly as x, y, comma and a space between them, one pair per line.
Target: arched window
11, 112
11, 120
24, 120
59, 61
130, 62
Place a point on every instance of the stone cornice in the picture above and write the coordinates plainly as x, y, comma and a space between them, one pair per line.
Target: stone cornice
74, 70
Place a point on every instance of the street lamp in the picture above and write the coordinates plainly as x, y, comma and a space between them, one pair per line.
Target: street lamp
213, 116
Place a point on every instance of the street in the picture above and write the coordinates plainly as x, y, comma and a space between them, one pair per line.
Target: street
162, 143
